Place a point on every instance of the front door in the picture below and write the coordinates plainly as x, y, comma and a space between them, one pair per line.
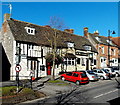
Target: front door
87, 64
49, 68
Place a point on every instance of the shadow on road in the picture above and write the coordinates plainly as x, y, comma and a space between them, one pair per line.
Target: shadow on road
115, 101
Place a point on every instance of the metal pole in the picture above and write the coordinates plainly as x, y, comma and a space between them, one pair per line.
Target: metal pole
17, 75
31, 82
108, 48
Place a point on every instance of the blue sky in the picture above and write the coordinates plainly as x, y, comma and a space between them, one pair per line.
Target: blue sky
101, 16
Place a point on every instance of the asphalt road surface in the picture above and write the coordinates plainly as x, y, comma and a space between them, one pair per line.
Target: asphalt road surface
101, 93
95, 92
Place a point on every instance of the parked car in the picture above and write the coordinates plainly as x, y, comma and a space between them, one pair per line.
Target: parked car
116, 70
77, 77
91, 75
102, 74
111, 71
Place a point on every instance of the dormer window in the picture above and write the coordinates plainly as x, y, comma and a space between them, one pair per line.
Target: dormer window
87, 47
98, 39
70, 44
30, 31
107, 41
110, 42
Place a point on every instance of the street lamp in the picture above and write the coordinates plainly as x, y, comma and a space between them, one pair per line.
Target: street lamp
109, 32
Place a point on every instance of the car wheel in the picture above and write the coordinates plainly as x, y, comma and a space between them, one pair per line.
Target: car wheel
102, 78
78, 82
63, 78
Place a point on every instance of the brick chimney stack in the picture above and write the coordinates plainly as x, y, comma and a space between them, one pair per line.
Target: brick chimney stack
86, 32
69, 30
6, 17
47, 26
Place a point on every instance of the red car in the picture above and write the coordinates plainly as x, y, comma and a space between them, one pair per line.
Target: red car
77, 77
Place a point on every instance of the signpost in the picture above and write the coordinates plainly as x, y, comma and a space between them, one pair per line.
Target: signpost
17, 69
31, 75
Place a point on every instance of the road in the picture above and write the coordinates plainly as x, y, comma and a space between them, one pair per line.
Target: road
94, 92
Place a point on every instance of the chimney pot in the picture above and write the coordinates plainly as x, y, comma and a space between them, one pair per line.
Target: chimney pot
69, 30
6, 17
96, 32
86, 32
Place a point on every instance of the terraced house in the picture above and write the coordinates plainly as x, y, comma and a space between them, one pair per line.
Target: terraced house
31, 46
116, 40
107, 50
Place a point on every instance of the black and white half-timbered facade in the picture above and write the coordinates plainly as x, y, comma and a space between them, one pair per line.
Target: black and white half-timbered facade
30, 45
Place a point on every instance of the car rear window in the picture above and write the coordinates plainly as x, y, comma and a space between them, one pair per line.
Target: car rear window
90, 72
112, 69
83, 75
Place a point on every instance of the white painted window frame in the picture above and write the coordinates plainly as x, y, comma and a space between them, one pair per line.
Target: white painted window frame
32, 30
103, 50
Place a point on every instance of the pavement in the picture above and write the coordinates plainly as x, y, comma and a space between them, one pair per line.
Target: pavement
35, 84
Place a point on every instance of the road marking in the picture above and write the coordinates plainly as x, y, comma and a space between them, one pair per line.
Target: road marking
106, 93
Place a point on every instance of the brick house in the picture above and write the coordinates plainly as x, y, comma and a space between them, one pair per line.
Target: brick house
116, 40
107, 49
30, 40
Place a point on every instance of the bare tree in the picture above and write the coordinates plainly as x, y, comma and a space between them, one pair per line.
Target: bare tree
56, 24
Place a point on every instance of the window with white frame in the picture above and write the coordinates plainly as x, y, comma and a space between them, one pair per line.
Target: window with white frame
70, 44
32, 65
115, 60
30, 31
109, 41
103, 59
114, 51
102, 49
110, 51
78, 60
95, 62
83, 61
87, 47
69, 61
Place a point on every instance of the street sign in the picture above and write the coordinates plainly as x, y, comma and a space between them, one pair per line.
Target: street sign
18, 68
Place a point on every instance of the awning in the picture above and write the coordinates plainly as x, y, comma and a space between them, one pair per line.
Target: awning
69, 55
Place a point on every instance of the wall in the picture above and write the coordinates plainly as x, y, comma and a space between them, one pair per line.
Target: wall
7, 43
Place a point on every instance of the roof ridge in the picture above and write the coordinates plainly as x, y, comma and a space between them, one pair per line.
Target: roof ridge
27, 22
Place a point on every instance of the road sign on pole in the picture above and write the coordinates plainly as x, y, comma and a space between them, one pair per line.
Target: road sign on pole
18, 68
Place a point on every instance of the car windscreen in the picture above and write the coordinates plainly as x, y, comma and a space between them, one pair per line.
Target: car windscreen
69, 73
83, 75
105, 71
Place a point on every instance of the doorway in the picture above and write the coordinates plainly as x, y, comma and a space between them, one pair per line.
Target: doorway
87, 64
49, 67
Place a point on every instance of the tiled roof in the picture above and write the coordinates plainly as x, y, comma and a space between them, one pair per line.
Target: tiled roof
103, 39
116, 40
18, 29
